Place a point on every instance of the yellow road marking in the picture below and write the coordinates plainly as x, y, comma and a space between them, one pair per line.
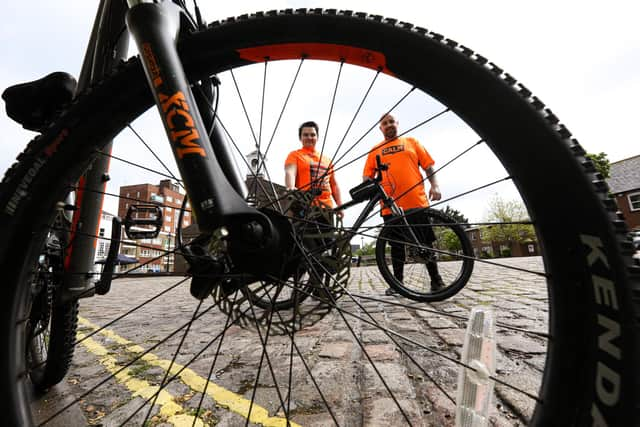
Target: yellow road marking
225, 398
168, 406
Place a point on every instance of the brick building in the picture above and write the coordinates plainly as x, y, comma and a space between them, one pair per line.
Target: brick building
152, 253
483, 247
624, 184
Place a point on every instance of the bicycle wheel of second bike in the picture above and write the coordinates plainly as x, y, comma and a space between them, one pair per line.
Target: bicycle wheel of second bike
425, 272
585, 373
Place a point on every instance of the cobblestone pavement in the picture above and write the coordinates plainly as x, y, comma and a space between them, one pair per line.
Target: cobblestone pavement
419, 368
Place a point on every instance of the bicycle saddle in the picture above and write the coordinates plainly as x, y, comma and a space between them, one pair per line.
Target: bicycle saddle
34, 104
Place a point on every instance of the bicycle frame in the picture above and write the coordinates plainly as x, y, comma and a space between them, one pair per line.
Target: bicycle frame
379, 195
216, 191
104, 51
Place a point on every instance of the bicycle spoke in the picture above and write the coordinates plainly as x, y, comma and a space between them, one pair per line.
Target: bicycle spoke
264, 354
364, 351
284, 106
122, 369
134, 309
299, 331
412, 341
355, 115
138, 166
213, 364
264, 88
244, 108
451, 315
166, 168
333, 101
173, 360
386, 330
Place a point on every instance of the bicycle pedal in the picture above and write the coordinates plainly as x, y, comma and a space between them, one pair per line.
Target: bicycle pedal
143, 221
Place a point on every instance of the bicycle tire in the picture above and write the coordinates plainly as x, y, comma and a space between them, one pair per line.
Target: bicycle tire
587, 255
387, 236
53, 322
62, 333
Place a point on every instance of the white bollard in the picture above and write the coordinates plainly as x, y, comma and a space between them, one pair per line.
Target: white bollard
475, 385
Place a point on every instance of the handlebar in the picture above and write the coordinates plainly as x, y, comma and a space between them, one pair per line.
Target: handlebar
379, 168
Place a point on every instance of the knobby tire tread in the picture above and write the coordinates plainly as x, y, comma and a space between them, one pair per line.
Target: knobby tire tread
568, 162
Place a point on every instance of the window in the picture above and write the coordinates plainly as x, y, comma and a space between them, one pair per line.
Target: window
167, 209
101, 233
167, 218
634, 201
102, 249
156, 198
531, 249
169, 199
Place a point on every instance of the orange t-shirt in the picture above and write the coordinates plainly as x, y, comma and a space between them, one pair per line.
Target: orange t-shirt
404, 156
312, 173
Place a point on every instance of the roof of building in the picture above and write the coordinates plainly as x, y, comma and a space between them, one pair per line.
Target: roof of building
625, 175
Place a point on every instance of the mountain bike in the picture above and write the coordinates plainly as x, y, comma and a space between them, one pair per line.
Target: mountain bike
400, 244
404, 243
329, 358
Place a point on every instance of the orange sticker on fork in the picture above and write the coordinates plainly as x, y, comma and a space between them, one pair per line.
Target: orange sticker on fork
183, 132
322, 51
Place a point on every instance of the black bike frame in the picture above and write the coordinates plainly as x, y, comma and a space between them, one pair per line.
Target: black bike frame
379, 195
107, 46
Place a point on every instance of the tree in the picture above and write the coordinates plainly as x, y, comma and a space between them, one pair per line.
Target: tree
601, 162
450, 241
367, 249
456, 215
504, 213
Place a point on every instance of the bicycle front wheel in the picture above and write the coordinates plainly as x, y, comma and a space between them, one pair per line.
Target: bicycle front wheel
426, 258
568, 335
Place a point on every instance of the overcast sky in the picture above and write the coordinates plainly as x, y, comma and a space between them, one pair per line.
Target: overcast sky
581, 58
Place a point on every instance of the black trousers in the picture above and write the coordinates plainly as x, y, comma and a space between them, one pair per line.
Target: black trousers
420, 224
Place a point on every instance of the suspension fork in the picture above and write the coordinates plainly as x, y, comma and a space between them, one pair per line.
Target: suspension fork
215, 201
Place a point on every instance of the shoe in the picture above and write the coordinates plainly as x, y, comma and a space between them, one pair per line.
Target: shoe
390, 292
437, 284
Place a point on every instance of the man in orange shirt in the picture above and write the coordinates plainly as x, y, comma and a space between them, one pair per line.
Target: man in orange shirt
305, 170
403, 182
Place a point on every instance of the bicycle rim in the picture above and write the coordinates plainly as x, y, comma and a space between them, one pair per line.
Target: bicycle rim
450, 254
566, 357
